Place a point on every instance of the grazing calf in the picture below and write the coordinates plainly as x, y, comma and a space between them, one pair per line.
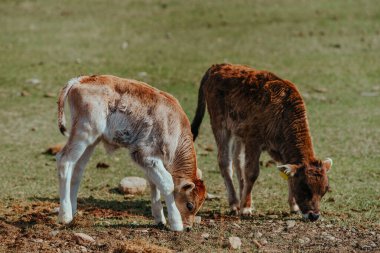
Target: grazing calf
252, 111
150, 123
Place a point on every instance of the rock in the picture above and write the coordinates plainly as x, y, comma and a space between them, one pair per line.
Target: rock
205, 235
83, 238
24, 93
263, 242
197, 219
209, 148
258, 235
210, 196
55, 210
33, 81
38, 240
236, 225
304, 240
83, 249
273, 216
212, 222
124, 45
142, 74
234, 242
49, 95
132, 185
290, 224
369, 94
258, 245
330, 237
54, 232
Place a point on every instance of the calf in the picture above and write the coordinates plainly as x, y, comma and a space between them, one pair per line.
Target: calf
150, 123
252, 111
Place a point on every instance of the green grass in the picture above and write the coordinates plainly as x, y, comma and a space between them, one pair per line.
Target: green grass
331, 45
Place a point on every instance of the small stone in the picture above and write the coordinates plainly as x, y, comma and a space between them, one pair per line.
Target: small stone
304, 240
258, 235
290, 224
258, 245
205, 235
54, 232
236, 225
235, 242
132, 185
263, 242
330, 237
38, 240
210, 196
209, 148
212, 222
24, 93
33, 81
197, 219
329, 225
83, 238
55, 210
273, 216
142, 74
124, 45
83, 249
49, 95
369, 94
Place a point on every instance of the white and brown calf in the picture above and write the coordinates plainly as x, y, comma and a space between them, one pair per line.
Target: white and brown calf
150, 123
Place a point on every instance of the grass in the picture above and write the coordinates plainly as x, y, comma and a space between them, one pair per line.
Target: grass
329, 49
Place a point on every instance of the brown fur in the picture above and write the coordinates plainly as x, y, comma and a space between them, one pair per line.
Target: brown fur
147, 121
261, 112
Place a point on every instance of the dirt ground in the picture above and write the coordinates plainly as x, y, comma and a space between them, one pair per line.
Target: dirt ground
32, 227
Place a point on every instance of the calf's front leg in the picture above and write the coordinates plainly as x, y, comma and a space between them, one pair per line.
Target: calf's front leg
157, 173
291, 200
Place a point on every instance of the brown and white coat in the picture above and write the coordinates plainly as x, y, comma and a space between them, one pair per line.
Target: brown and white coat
150, 123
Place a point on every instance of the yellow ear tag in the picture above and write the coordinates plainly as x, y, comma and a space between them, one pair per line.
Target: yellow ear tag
284, 176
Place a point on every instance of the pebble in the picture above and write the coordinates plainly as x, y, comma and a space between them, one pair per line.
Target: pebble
258, 235
236, 225
197, 219
54, 232
124, 45
83, 249
304, 240
205, 235
290, 223
132, 185
83, 238
263, 242
235, 242
273, 216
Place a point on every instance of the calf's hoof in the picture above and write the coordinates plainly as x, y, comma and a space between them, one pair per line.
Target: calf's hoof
65, 218
246, 211
176, 227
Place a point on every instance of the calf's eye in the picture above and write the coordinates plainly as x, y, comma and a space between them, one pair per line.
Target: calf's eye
190, 206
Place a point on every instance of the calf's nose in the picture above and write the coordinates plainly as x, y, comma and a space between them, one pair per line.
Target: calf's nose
188, 229
313, 216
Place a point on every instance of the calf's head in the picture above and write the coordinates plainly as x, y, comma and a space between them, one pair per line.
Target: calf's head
189, 197
308, 183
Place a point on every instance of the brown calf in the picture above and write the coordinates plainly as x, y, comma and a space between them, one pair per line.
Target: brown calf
150, 123
253, 111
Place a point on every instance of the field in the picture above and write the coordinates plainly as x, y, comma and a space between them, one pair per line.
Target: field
329, 49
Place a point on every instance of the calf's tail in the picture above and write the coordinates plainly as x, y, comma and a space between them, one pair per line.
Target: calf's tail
201, 107
61, 105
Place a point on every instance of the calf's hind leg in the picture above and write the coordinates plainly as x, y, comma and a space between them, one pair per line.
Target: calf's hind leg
251, 172
225, 142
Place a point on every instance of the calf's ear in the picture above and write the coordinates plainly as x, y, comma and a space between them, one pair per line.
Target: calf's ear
327, 164
186, 186
199, 173
288, 169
